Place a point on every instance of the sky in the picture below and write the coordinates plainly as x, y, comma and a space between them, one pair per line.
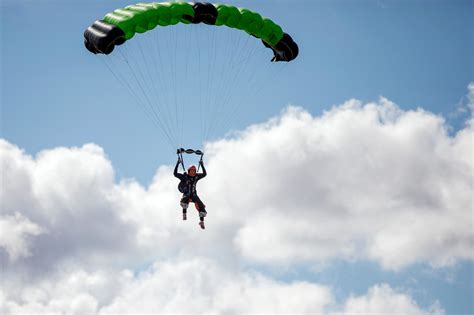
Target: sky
341, 184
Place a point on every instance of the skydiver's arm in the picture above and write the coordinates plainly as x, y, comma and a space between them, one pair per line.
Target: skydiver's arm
175, 173
204, 173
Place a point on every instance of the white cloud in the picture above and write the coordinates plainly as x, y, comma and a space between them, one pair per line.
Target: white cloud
470, 96
196, 286
465, 107
360, 182
68, 192
15, 232
382, 299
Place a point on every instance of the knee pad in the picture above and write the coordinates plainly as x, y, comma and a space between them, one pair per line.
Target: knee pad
202, 214
184, 205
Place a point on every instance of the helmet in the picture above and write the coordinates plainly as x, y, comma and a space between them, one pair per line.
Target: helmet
192, 170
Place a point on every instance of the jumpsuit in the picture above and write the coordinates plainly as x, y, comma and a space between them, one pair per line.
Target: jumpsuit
187, 186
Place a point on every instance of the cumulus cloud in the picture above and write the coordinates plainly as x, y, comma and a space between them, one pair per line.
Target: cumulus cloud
68, 193
360, 182
195, 286
199, 286
15, 232
382, 299
368, 182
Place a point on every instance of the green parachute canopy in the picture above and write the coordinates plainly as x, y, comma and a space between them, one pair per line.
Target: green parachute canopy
122, 24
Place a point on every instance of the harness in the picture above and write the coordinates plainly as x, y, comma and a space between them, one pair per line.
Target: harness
190, 182
188, 186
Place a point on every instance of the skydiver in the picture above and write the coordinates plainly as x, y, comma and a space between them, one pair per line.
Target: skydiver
187, 186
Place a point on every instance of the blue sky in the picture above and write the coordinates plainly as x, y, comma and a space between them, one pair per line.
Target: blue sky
417, 54
414, 53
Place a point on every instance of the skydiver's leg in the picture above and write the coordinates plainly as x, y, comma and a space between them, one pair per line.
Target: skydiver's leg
184, 204
199, 206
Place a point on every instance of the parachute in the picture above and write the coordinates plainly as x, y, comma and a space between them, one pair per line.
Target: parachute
168, 75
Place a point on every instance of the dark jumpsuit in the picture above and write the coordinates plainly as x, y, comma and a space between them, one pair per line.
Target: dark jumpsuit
188, 188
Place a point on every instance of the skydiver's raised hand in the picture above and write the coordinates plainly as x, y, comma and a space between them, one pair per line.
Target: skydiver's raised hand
204, 173
175, 172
